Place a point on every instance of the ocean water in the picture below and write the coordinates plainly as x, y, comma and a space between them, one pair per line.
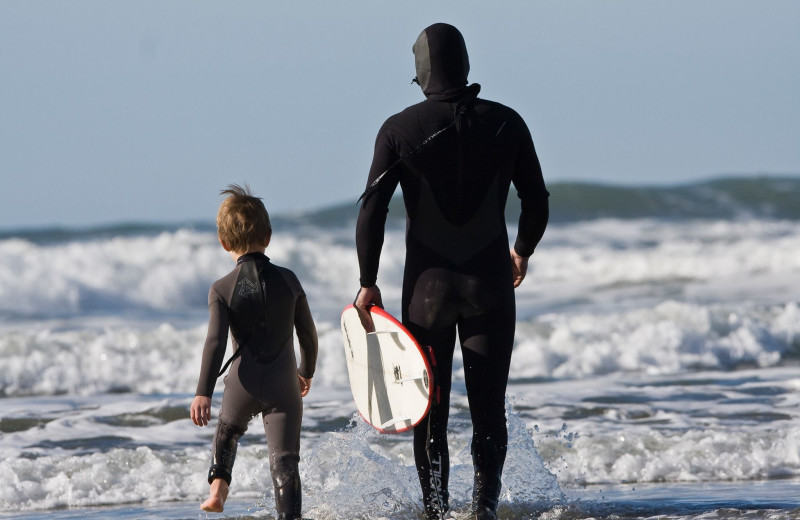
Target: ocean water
655, 375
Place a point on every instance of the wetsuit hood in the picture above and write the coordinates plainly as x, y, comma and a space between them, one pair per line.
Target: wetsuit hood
442, 63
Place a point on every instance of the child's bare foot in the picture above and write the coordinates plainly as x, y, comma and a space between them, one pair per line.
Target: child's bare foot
216, 497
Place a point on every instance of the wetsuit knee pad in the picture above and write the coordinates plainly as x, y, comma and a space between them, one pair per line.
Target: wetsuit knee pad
286, 481
285, 470
489, 447
223, 454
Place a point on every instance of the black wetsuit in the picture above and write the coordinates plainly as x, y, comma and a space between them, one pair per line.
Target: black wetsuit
261, 303
458, 270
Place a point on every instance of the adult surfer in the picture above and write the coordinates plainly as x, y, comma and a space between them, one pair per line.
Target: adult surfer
455, 156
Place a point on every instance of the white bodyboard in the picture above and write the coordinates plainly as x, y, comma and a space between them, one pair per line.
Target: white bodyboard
390, 376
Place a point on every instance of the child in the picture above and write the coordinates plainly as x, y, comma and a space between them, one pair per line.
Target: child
261, 303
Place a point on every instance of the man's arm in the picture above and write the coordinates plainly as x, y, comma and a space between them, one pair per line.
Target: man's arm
371, 226
371, 222
533, 196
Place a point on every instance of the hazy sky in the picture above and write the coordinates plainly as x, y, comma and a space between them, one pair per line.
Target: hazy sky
136, 110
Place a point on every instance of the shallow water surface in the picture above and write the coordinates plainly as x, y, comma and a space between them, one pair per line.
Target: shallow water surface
655, 375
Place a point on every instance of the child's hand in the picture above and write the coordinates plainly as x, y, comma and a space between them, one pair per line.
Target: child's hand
201, 410
305, 385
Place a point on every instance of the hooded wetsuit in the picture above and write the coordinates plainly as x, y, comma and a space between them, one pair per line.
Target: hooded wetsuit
457, 274
261, 303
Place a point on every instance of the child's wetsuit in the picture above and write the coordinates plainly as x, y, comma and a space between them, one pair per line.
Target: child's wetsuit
261, 303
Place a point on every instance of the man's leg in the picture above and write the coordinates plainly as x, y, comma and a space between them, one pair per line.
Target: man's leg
431, 453
487, 341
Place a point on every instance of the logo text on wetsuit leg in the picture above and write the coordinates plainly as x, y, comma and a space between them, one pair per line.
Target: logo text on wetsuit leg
436, 484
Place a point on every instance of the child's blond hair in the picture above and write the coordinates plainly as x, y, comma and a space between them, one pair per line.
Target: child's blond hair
242, 220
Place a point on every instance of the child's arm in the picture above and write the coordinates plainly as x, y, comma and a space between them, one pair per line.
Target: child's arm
213, 355
307, 337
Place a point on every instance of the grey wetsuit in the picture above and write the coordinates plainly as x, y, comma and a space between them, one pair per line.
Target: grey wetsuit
262, 304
